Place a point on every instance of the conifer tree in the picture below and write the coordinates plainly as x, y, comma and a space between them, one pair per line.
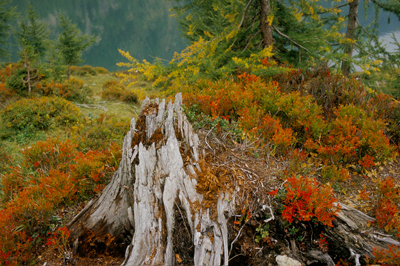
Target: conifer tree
33, 32
303, 32
6, 16
29, 59
295, 28
72, 43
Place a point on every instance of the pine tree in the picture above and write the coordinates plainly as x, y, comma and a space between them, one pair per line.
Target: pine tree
72, 43
33, 32
6, 16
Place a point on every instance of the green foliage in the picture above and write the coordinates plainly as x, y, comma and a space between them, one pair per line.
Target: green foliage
71, 43
101, 70
15, 82
32, 32
6, 16
27, 116
262, 233
71, 90
219, 125
113, 90
99, 132
54, 62
83, 71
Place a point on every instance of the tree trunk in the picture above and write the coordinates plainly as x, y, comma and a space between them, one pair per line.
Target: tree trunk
29, 79
160, 170
265, 24
350, 34
69, 71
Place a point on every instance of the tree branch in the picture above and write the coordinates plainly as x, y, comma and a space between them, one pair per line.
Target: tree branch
251, 38
287, 37
335, 7
244, 13
369, 34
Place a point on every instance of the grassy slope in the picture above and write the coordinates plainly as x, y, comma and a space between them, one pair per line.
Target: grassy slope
347, 191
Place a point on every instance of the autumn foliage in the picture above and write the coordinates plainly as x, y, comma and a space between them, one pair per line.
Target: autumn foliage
304, 199
55, 174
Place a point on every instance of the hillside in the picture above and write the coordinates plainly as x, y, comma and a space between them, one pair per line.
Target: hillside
62, 144
256, 144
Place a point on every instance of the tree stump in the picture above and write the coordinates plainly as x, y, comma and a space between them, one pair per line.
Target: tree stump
157, 172
161, 173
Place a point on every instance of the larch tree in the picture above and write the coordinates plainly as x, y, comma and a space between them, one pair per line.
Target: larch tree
72, 43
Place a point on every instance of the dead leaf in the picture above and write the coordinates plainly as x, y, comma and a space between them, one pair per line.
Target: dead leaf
178, 259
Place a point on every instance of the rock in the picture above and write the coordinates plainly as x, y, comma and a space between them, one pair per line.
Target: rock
287, 261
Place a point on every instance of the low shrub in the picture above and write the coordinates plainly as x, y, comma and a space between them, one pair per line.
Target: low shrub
83, 71
54, 174
8, 70
100, 132
113, 90
72, 90
304, 199
31, 115
387, 212
15, 82
130, 97
6, 94
101, 70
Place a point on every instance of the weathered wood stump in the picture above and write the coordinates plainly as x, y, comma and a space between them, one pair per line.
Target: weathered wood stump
160, 155
158, 175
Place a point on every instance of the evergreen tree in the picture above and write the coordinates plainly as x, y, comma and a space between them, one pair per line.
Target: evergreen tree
33, 32
54, 61
237, 29
6, 16
72, 43
303, 32
29, 59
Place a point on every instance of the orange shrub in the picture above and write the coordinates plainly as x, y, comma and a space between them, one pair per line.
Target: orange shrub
387, 213
387, 257
52, 153
62, 176
305, 199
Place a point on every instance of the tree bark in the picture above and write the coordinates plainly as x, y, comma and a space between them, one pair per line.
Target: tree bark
265, 25
350, 34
